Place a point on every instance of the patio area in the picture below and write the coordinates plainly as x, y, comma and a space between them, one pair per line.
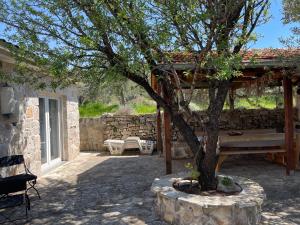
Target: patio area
96, 189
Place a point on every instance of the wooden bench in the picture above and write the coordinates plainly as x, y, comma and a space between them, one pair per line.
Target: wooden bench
224, 153
251, 144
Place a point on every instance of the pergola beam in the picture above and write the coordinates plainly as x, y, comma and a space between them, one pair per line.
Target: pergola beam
159, 144
167, 135
289, 125
163, 145
251, 72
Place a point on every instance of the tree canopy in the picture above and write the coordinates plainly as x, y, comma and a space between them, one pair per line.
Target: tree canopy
292, 15
80, 39
88, 41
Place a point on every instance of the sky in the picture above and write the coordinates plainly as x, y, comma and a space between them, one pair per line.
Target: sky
273, 29
269, 33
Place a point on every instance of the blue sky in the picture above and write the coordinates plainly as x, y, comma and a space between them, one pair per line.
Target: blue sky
273, 29
269, 33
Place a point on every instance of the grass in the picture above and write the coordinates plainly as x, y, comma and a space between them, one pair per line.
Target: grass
144, 108
267, 102
95, 109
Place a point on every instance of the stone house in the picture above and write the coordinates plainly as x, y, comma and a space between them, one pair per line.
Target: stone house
42, 125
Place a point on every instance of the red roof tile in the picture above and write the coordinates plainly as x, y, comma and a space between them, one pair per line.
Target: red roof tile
258, 54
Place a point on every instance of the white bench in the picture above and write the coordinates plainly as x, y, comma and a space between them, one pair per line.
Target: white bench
147, 147
117, 147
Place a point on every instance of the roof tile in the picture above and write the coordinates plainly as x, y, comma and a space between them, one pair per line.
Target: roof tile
258, 54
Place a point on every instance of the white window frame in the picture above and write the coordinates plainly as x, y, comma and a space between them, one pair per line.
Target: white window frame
55, 162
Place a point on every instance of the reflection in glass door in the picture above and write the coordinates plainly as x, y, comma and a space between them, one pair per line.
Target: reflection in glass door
49, 131
54, 128
43, 138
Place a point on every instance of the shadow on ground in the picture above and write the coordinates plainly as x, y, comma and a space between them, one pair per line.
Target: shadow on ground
95, 189
282, 205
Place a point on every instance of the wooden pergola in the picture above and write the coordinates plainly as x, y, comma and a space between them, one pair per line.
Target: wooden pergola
279, 67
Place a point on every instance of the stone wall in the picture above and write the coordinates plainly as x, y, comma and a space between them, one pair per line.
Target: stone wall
242, 119
179, 208
93, 131
71, 125
20, 131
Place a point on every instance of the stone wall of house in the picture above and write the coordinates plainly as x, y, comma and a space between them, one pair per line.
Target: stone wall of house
93, 131
20, 131
71, 126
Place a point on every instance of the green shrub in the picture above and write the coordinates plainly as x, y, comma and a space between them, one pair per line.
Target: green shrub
267, 102
144, 108
226, 181
94, 109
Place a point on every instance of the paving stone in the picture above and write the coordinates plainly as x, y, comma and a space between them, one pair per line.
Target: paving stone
115, 190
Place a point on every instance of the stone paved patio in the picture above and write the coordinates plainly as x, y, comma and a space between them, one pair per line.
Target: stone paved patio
95, 189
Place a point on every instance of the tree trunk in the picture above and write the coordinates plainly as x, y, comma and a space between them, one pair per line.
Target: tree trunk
208, 160
122, 97
207, 164
231, 97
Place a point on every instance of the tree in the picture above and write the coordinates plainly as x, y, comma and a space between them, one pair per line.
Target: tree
292, 15
76, 40
122, 90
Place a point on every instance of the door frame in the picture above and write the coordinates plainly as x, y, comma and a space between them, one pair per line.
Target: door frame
55, 162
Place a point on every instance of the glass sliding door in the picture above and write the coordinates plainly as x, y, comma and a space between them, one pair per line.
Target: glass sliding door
50, 131
54, 128
43, 131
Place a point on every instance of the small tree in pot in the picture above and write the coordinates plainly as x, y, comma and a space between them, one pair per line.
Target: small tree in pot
90, 41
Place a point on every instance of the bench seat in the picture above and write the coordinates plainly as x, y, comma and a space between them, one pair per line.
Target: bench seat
15, 183
117, 147
266, 143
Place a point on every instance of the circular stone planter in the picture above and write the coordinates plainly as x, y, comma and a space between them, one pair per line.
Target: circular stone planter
181, 208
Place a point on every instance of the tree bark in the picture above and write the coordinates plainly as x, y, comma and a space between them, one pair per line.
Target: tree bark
122, 98
231, 97
206, 165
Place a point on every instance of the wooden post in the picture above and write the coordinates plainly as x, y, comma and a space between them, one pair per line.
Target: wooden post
289, 127
159, 144
167, 135
297, 128
231, 98
157, 87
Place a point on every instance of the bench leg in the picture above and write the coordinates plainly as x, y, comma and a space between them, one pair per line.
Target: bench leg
221, 159
27, 204
116, 149
32, 186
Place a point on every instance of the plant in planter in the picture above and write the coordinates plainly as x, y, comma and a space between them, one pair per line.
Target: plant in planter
225, 184
194, 173
228, 185
189, 184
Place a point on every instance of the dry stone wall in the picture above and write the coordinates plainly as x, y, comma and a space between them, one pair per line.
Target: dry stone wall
93, 131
